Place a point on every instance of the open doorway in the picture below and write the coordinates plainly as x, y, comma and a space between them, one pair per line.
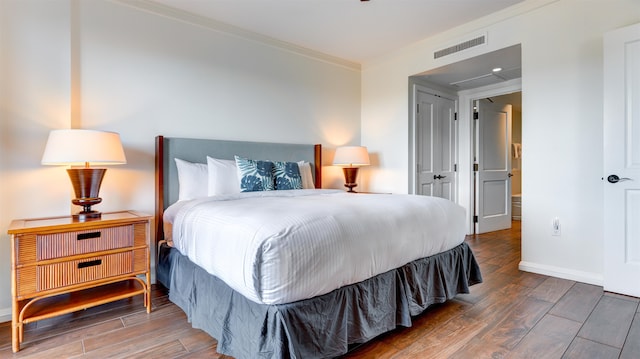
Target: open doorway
468, 81
515, 100
497, 150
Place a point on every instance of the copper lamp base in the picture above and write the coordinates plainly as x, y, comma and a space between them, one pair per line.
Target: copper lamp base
350, 175
86, 185
87, 213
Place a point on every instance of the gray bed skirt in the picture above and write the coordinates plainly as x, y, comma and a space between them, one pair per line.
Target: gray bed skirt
320, 327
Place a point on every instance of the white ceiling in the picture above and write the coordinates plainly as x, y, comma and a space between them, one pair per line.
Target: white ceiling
349, 29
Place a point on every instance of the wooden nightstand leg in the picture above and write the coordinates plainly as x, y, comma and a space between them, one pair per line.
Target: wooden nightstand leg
16, 336
147, 294
16, 329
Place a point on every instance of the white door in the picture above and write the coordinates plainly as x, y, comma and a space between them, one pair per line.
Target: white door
426, 143
436, 141
493, 158
447, 148
622, 159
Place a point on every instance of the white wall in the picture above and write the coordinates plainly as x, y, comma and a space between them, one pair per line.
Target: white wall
34, 98
561, 120
142, 74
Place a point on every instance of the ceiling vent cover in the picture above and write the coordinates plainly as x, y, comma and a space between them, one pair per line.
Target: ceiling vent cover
480, 40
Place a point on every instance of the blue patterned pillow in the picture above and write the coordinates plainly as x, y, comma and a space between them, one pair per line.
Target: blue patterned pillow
287, 175
255, 175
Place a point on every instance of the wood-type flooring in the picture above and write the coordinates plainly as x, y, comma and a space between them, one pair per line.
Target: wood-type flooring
513, 314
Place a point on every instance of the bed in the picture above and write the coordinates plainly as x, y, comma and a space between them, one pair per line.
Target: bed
309, 272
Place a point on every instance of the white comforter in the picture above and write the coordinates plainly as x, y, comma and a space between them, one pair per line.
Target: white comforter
282, 246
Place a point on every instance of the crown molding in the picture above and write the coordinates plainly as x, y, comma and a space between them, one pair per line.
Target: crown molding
198, 20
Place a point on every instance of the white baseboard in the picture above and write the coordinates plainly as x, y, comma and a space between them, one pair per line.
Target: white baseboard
5, 315
564, 273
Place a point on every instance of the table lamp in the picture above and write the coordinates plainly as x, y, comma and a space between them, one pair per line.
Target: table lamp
351, 157
74, 147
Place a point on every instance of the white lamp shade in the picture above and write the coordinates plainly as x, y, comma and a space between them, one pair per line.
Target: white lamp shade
77, 147
351, 156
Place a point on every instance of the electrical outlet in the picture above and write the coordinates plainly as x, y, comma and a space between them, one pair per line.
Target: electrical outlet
555, 227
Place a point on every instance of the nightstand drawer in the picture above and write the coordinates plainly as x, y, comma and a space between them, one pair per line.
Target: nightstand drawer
36, 279
34, 247
58, 275
57, 245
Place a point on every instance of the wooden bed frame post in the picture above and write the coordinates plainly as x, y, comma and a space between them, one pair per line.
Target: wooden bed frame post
159, 188
317, 164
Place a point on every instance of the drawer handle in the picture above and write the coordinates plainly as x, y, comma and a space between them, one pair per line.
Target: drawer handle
82, 236
96, 262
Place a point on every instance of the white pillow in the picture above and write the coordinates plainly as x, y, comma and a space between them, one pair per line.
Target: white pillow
305, 173
192, 179
223, 177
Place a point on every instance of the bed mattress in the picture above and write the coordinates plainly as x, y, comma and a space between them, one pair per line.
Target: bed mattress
279, 247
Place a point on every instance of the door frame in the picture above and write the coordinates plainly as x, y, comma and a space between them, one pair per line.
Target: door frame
466, 195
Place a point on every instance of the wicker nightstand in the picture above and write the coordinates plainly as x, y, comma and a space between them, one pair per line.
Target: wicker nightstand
60, 266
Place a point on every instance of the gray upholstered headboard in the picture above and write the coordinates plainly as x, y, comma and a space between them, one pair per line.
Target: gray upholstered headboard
197, 150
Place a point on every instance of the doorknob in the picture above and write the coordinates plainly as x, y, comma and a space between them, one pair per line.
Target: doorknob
510, 174
616, 179
439, 177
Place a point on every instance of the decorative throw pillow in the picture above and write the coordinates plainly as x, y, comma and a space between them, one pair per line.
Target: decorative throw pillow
287, 175
192, 180
305, 173
255, 175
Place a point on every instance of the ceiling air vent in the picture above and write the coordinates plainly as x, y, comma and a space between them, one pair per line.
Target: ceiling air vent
480, 40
